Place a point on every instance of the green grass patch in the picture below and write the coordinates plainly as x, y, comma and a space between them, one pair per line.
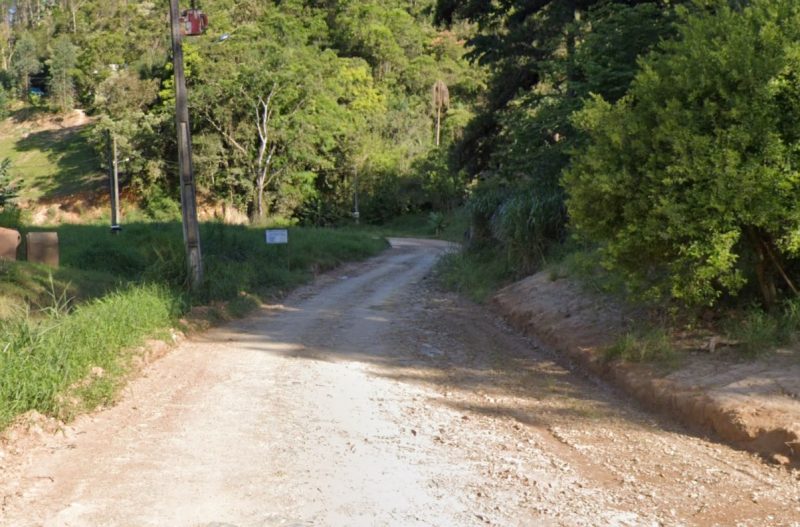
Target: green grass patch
24, 285
237, 258
449, 226
49, 163
652, 346
757, 332
476, 274
43, 356
113, 291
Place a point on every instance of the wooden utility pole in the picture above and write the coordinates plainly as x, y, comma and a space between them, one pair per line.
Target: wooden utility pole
113, 164
191, 228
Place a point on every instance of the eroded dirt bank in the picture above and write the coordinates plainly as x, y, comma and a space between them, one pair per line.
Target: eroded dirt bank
373, 399
751, 404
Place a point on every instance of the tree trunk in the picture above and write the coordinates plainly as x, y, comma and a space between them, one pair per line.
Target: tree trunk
260, 201
438, 124
775, 257
764, 275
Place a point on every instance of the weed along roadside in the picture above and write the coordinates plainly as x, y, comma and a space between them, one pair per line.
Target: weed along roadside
70, 335
751, 404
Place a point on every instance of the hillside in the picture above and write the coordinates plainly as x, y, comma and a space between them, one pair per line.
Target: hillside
51, 158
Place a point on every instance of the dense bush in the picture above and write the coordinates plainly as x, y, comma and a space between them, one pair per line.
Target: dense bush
691, 180
525, 138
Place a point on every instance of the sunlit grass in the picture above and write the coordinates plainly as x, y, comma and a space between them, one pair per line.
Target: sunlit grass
49, 163
113, 291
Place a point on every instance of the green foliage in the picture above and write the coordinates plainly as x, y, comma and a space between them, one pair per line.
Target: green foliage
294, 100
8, 190
527, 224
63, 58
10, 217
649, 346
143, 139
690, 181
25, 62
437, 222
756, 331
476, 273
605, 62
4, 103
158, 206
523, 137
521, 222
452, 226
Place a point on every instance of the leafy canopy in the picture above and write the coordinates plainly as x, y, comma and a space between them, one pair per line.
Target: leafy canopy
691, 180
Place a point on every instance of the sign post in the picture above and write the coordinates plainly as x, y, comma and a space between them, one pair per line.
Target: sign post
280, 237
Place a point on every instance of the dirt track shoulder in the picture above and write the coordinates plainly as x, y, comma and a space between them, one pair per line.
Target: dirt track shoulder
751, 405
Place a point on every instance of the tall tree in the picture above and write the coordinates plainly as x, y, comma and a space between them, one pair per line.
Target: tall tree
25, 62
63, 57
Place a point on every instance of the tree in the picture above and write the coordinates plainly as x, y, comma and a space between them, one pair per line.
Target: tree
296, 97
25, 62
8, 191
4, 100
63, 57
441, 102
544, 57
690, 181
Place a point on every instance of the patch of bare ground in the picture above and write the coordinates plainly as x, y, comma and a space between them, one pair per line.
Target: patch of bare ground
750, 404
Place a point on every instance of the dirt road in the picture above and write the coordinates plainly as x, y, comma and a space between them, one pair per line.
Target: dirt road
372, 399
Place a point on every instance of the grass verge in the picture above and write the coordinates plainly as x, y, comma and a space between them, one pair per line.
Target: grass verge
49, 160
756, 331
112, 292
43, 356
476, 274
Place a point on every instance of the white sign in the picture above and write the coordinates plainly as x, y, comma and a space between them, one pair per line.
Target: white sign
277, 236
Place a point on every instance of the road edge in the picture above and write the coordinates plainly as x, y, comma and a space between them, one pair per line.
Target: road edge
698, 409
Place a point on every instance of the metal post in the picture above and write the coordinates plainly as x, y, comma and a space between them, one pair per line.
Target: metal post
191, 229
115, 227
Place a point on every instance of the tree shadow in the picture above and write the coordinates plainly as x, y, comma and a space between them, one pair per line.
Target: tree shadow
464, 358
27, 113
78, 172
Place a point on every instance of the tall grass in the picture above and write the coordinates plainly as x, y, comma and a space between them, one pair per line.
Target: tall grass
41, 356
756, 331
476, 274
237, 258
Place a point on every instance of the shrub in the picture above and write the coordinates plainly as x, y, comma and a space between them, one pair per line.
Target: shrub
690, 181
8, 191
4, 103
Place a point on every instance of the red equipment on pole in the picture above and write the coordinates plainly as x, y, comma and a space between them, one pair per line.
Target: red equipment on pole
193, 22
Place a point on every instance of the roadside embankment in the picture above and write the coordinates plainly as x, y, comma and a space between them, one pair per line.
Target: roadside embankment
752, 404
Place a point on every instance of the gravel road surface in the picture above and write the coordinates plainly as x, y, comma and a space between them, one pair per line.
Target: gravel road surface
371, 398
